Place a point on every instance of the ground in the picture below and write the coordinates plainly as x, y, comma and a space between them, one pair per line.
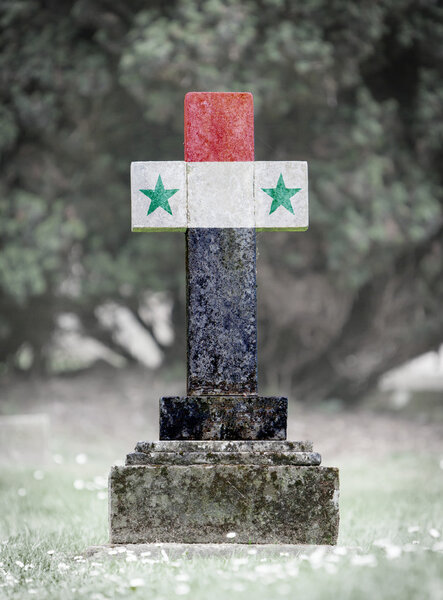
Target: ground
391, 532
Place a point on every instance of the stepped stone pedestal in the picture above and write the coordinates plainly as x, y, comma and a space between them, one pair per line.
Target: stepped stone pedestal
266, 492
201, 492
222, 471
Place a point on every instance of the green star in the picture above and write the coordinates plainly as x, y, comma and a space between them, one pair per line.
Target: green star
159, 197
280, 195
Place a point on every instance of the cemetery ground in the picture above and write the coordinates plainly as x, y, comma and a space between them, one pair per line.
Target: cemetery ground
391, 531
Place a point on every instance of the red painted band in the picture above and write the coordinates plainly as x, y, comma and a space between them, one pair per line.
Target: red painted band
219, 127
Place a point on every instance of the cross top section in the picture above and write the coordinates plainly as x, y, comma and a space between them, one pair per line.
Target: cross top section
219, 185
219, 127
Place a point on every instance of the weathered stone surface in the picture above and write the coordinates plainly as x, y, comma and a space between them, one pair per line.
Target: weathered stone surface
220, 194
295, 175
221, 311
224, 446
223, 418
224, 458
144, 175
202, 504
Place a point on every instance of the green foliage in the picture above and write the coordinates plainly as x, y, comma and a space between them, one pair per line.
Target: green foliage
37, 238
88, 86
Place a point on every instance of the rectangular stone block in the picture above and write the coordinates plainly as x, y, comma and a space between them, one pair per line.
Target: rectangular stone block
222, 452
224, 446
158, 196
224, 458
221, 311
220, 194
223, 418
284, 204
203, 504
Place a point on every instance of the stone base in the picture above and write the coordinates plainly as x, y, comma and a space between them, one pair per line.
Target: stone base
207, 503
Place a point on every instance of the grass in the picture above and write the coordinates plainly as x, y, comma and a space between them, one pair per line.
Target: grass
391, 516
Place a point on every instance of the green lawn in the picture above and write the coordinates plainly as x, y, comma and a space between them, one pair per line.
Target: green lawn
391, 517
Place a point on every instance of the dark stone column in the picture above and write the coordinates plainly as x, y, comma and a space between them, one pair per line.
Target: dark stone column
221, 312
221, 401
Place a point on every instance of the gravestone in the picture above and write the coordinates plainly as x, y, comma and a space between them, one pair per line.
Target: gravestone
222, 470
24, 440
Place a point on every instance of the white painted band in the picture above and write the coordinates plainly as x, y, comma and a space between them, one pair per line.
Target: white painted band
219, 194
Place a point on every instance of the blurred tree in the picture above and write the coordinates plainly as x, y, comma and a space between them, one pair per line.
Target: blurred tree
354, 88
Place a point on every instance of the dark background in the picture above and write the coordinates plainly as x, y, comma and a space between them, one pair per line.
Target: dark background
354, 88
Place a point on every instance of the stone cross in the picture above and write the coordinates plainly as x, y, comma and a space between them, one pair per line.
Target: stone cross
219, 196
222, 470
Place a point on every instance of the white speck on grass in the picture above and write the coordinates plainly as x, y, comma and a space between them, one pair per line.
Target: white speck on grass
81, 459
437, 547
434, 533
147, 553
136, 583
364, 560
50, 552
413, 529
332, 558
21, 492
182, 577
19, 564
239, 561
409, 548
121, 550
38, 475
340, 550
330, 568
32, 591
100, 481
382, 543
62, 567
112, 551
237, 586
252, 551
102, 495
182, 589
316, 558
164, 555
131, 558
58, 459
231, 535
392, 552
79, 484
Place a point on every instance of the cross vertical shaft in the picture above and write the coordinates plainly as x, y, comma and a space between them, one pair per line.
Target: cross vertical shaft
221, 263
221, 401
